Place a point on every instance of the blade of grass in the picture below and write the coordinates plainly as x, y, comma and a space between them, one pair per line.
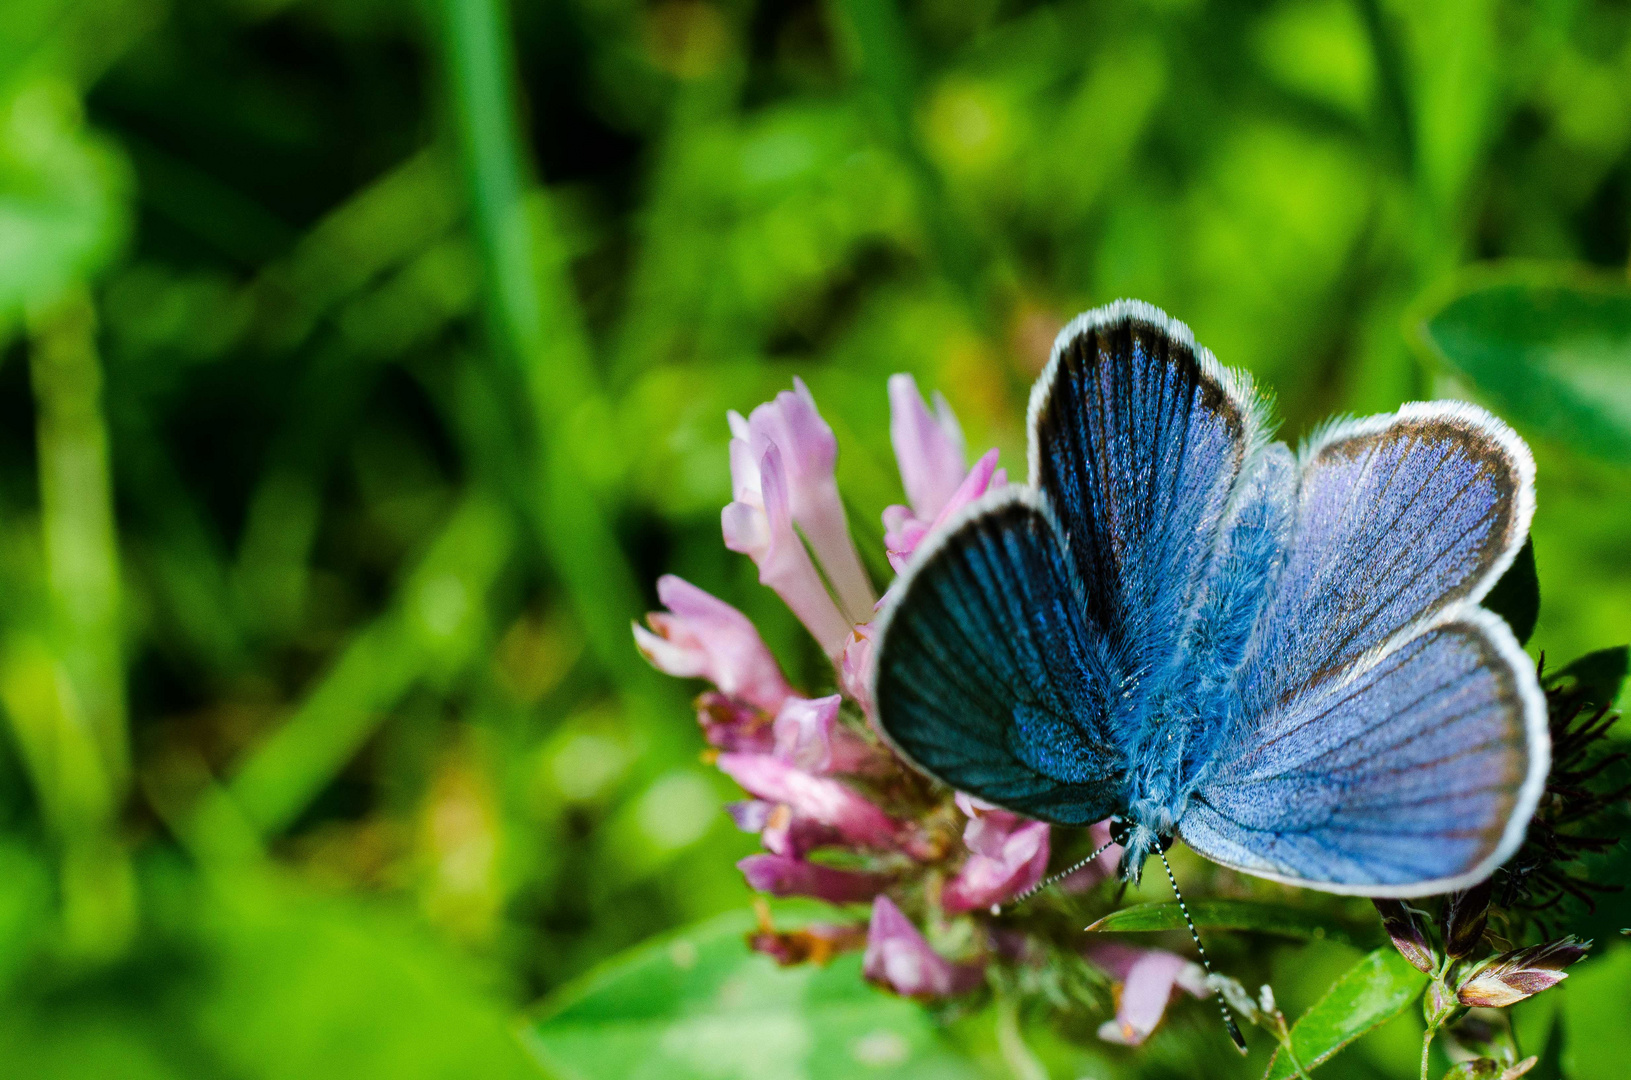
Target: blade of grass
1246, 915
536, 324
82, 585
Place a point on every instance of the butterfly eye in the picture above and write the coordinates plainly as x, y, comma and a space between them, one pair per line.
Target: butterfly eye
1121, 830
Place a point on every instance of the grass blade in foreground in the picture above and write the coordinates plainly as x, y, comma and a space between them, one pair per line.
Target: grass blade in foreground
1372, 992
1232, 915
699, 1005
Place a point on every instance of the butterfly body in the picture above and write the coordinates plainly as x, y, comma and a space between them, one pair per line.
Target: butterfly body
1182, 624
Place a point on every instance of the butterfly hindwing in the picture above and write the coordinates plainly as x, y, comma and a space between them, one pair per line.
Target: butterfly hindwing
1138, 438
988, 675
1412, 774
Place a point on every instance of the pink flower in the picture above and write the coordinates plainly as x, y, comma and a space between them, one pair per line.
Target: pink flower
820, 799
855, 669
1008, 854
928, 448
701, 636
1149, 980
781, 831
899, 958
905, 531
787, 833
809, 735
731, 724
782, 875
809, 454
760, 524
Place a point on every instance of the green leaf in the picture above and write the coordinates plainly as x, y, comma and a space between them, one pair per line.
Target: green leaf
1372, 992
701, 1005
1516, 596
1550, 347
1258, 918
1600, 674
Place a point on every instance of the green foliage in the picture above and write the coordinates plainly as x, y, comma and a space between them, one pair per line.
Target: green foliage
1551, 348
699, 1004
1279, 920
1372, 992
363, 363
1516, 597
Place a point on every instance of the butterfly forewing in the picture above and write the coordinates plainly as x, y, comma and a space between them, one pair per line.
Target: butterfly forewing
988, 676
1398, 517
1138, 437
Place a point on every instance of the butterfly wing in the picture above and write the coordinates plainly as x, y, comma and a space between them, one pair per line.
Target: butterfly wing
1396, 741
1138, 439
1399, 517
987, 674
1018, 645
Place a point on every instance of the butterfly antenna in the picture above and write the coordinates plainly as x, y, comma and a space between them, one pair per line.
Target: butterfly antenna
1228, 1017
996, 909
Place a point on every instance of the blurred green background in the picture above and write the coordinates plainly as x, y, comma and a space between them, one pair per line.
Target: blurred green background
365, 361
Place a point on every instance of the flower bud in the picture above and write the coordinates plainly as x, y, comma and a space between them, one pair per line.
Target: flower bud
1510, 977
1438, 1004
1464, 916
1484, 1068
1408, 929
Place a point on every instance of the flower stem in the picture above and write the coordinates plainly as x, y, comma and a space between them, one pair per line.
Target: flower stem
77, 741
1426, 1045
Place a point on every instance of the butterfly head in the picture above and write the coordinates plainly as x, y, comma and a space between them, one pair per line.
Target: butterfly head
1141, 835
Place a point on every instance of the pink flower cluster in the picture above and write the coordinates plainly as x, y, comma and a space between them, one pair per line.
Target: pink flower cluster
840, 817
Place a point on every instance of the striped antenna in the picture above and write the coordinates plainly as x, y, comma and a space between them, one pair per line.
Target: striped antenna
997, 909
1228, 1017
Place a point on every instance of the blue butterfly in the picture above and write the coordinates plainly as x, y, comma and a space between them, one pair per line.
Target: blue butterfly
1278, 658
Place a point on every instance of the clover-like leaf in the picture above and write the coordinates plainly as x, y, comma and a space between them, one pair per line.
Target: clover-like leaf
700, 1004
1550, 347
1372, 992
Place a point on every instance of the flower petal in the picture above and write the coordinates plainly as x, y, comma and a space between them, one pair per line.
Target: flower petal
809, 453
765, 533
987, 879
781, 875
1149, 978
810, 736
819, 798
929, 449
855, 669
899, 958
908, 534
701, 636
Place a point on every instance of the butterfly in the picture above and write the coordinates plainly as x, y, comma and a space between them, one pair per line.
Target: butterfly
1277, 657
